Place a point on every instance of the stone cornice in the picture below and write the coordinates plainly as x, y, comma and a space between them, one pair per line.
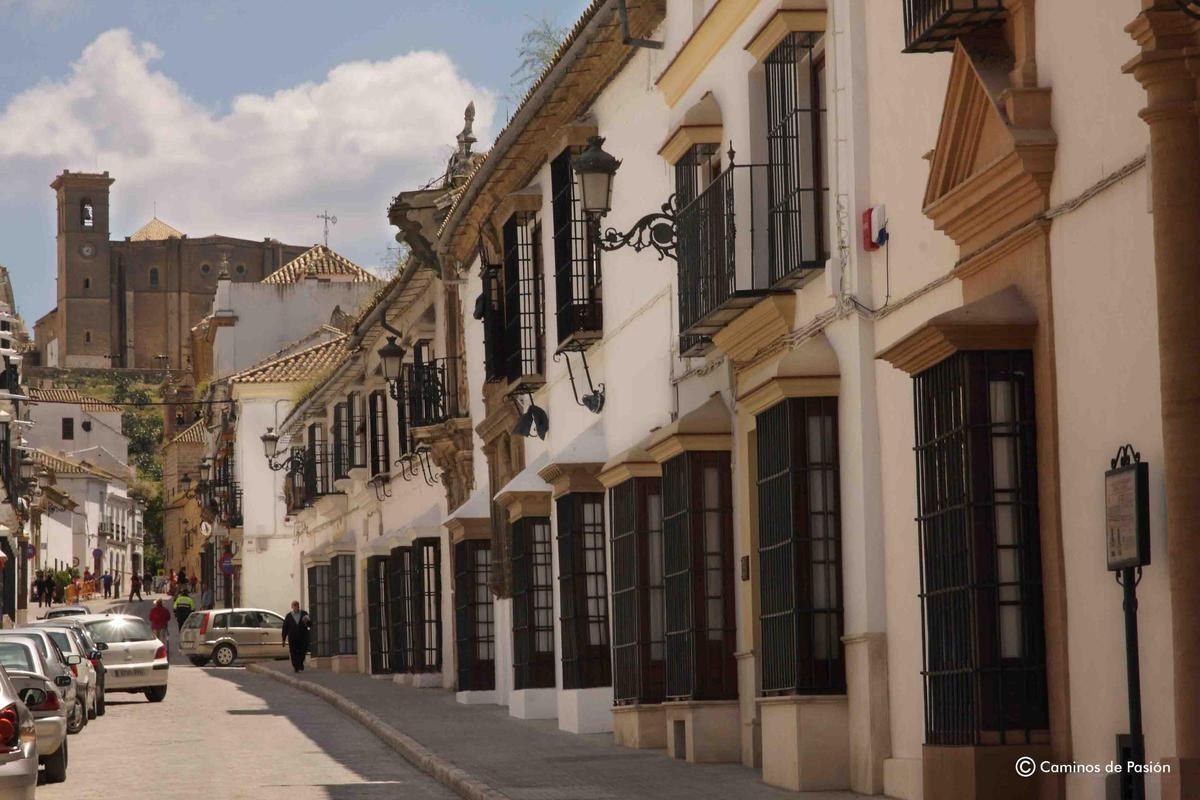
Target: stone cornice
767, 394
782, 23
573, 134
934, 342
685, 136
499, 422
463, 528
567, 478
520, 505
675, 444
748, 337
617, 474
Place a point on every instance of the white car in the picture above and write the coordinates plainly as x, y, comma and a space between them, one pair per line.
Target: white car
18, 744
134, 659
85, 674
27, 671
60, 669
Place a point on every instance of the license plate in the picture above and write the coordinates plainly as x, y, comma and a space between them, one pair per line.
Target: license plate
130, 673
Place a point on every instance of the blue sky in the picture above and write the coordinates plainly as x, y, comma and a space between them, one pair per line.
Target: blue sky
246, 118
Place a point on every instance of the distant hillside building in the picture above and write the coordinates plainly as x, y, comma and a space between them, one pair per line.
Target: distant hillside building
129, 303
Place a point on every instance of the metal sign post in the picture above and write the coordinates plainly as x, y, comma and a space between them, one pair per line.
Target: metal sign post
1127, 544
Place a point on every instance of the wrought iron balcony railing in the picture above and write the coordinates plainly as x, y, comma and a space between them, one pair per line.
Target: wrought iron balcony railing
231, 505
107, 529
9, 473
932, 26
431, 389
741, 238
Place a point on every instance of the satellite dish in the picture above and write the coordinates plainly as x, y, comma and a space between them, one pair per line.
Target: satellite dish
205, 529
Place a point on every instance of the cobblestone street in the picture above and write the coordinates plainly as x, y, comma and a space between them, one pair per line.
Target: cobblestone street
227, 733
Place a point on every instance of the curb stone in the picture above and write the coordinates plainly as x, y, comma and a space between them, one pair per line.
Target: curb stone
421, 757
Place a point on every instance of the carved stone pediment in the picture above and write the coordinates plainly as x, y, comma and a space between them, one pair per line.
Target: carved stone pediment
994, 159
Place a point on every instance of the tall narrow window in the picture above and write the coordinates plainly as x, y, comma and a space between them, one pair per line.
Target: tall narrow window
87, 213
637, 590
799, 548
474, 630
980, 550
494, 355
68, 428
154, 276
401, 600
87, 337
87, 284
698, 577
380, 460
524, 325
533, 604
576, 256
342, 442
378, 619
321, 610
316, 463
341, 573
797, 182
583, 590
427, 581
706, 240
356, 431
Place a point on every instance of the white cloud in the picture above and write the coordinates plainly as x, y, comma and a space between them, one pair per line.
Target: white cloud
264, 168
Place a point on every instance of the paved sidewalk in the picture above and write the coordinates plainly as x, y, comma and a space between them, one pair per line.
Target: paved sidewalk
533, 759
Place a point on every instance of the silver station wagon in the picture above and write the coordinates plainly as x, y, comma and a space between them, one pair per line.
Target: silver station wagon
225, 635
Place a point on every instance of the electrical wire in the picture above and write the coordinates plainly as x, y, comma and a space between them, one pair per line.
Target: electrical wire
887, 273
96, 401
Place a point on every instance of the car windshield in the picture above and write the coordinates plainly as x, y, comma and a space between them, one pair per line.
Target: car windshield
14, 655
66, 612
120, 629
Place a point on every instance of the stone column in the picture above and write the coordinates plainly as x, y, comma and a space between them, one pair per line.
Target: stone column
1164, 71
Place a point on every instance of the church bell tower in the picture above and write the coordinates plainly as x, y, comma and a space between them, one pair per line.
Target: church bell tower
84, 269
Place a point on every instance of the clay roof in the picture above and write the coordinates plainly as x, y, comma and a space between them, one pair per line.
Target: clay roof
55, 395
192, 434
311, 363
154, 231
62, 465
322, 262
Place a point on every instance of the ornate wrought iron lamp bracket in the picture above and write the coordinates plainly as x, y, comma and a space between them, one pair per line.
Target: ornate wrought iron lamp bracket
659, 230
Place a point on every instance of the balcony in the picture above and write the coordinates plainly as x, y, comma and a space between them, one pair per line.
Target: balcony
231, 505
752, 232
431, 389
313, 479
932, 26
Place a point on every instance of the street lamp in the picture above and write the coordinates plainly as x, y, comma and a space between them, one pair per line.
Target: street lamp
270, 442
27, 468
185, 483
596, 168
293, 463
391, 356
205, 468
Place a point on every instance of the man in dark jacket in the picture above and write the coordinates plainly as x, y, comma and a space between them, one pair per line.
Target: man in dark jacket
296, 627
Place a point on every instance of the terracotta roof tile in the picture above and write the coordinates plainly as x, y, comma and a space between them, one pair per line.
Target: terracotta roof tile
311, 363
56, 395
62, 465
192, 434
322, 262
155, 231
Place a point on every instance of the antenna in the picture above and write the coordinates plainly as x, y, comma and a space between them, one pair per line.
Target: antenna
329, 220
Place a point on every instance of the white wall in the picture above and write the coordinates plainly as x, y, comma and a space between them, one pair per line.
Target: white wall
46, 432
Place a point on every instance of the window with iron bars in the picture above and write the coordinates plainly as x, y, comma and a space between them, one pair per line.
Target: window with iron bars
317, 481
980, 551
341, 441
637, 591
356, 427
321, 609
474, 615
341, 573
524, 318
797, 185
576, 256
378, 618
694, 171
532, 604
380, 458
583, 591
494, 356
415, 603
799, 548
698, 577
402, 605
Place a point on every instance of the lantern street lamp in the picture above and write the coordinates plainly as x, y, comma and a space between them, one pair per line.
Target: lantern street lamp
205, 468
27, 468
185, 483
270, 442
391, 356
596, 167
294, 462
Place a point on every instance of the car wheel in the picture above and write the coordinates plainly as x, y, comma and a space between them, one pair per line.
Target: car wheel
56, 764
91, 714
100, 701
198, 661
78, 717
224, 655
156, 694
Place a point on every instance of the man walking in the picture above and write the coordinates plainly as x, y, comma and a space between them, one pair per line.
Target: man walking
296, 627
184, 605
160, 618
135, 587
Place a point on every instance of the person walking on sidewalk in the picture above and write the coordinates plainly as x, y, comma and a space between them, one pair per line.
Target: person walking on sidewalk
135, 587
107, 581
184, 605
296, 627
160, 618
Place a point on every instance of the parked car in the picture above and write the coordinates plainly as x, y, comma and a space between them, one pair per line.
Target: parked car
134, 659
25, 668
66, 611
93, 651
85, 673
57, 665
227, 635
18, 744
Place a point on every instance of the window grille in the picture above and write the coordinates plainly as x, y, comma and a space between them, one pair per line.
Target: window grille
378, 620
474, 625
532, 605
524, 324
576, 256
637, 590
694, 171
931, 26
427, 584
356, 431
402, 602
799, 548
494, 357
698, 577
341, 441
797, 185
341, 570
980, 556
321, 610
380, 458
583, 590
